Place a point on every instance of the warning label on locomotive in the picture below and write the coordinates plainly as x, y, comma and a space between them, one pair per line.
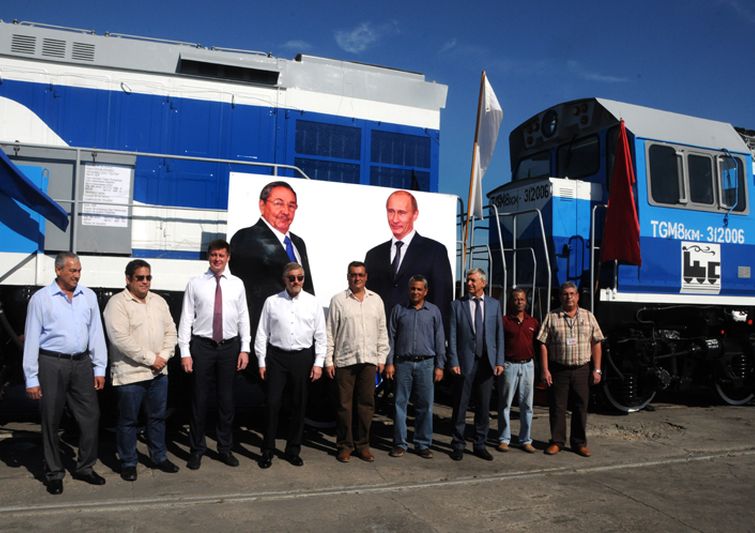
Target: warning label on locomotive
701, 268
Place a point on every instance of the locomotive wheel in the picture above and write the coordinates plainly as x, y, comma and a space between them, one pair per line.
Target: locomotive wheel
735, 376
626, 386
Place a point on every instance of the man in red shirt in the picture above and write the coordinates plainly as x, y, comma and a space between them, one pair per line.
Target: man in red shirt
519, 330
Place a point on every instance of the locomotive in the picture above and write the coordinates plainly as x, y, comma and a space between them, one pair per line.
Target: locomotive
138, 139
681, 318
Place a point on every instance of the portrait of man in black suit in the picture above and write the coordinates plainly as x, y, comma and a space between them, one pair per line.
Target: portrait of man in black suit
260, 252
392, 263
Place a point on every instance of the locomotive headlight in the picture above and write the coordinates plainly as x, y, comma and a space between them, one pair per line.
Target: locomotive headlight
550, 123
739, 316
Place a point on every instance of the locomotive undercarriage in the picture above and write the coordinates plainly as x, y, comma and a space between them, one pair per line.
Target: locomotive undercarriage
678, 348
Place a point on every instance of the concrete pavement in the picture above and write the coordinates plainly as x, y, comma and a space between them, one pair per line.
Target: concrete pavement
675, 469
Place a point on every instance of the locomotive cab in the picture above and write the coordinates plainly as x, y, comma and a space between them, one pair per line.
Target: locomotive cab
684, 315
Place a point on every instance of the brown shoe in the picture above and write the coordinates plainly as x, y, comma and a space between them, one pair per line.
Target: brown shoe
553, 449
529, 448
397, 451
365, 455
502, 447
425, 453
344, 455
584, 451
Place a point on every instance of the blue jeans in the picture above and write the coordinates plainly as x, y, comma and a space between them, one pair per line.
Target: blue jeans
521, 377
414, 377
130, 399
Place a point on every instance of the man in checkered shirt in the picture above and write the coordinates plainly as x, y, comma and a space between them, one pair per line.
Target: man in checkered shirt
570, 356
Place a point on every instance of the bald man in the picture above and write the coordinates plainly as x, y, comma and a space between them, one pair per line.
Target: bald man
392, 263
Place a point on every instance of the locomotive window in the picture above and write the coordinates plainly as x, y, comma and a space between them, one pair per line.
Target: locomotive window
535, 166
612, 139
579, 158
700, 170
664, 175
731, 169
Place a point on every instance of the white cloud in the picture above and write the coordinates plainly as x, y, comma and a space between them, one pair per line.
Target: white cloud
741, 8
576, 68
358, 39
447, 46
296, 45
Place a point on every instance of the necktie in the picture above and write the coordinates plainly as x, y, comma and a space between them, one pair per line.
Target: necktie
396, 259
289, 249
479, 327
217, 313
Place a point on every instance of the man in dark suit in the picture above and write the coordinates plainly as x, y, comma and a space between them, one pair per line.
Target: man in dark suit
474, 356
260, 252
392, 263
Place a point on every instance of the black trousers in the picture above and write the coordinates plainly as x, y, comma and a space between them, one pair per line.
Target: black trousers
214, 372
566, 381
64, 381
292, 369
478, 382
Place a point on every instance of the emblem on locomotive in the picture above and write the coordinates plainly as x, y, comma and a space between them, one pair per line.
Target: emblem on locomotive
701, 268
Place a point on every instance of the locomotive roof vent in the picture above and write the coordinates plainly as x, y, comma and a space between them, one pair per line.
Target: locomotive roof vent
51, 48
23, 44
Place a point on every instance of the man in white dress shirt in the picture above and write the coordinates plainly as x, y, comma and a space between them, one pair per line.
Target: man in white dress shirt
214, 338
290, 345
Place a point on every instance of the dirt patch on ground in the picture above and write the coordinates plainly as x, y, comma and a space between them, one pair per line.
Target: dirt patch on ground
636, 430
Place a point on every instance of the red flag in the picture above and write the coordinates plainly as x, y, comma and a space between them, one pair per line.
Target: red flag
621, 235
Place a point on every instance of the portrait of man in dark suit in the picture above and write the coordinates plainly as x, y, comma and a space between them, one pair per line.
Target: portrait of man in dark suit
392, 263
260, 252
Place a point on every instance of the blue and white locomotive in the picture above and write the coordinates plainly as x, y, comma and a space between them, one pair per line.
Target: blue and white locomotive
139, 138
685, 315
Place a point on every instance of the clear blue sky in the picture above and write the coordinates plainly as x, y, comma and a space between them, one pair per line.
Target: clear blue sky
688, 56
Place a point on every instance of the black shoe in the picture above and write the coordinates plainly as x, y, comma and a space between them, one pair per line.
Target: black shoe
266, 461
229, 459
55, 486
128, 473
294, 459
91, 477
167, 466
457, 454
195, 461
482, 453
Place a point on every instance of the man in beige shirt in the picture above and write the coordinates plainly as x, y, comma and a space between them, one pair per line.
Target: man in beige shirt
357, 349
142, 338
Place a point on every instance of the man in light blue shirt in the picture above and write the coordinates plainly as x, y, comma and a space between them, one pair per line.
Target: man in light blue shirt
64, 362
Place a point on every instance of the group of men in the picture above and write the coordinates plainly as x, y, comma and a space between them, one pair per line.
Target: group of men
391, 320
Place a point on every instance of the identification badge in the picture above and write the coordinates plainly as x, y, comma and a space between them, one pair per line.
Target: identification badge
571, 341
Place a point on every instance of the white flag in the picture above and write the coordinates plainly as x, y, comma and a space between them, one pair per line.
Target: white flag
491, 115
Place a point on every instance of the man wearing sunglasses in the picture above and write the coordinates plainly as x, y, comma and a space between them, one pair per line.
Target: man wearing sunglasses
290, 345
142, 340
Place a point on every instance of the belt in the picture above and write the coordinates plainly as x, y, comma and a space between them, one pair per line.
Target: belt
275, 349
520, 362
414, 358
569, 367
72, 356
212, 343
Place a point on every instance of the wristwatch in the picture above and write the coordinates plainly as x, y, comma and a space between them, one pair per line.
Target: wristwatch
599, 371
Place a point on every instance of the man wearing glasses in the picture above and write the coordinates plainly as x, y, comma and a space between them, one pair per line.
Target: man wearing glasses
357, 348
260, 252
142, 340
290, 345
